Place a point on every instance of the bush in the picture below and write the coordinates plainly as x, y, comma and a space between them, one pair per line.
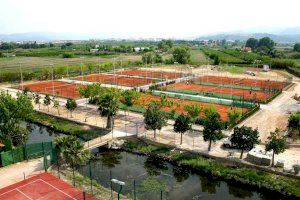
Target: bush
68, 55
282, 64
296, 56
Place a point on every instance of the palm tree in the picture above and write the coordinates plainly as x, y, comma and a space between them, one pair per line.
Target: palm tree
72, 151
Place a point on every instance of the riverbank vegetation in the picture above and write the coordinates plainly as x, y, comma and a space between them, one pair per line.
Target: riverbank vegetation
12, 112
260, 179
67, 127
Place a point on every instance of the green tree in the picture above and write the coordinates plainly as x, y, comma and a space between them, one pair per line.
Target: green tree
158, 58
91, 91
47, 101
56, 104
266, 42
181, 55
13, 111
216, 60
165, 45
148, 57
252, 43
37, 99
129, 97
154, 118
234, 116
182, 124
85, 92
72, 151
297, 47
193, 111
294, 122
276, 143
244, 138
212, 126
71, 105
108, 105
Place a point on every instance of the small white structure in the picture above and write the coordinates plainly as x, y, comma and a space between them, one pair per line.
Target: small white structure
259, 157
266, 68
93, 50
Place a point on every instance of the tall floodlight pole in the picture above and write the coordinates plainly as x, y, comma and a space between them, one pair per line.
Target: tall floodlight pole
52, 79
121, 184
21, 73
114, 66
99, 64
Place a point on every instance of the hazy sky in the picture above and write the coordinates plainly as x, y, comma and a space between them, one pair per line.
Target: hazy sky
146, 18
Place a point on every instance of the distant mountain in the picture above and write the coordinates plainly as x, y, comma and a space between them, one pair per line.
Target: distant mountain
50, 36
279, 38
290, 35
291, 31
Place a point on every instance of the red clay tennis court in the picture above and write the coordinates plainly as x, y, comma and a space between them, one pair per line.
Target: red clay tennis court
246, 94
55, 88
43, 186
244, 81
150, 74
115, 80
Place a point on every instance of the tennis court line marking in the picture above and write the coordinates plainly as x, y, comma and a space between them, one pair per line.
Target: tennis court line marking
19, 187
23, 193
57, 189
34, 182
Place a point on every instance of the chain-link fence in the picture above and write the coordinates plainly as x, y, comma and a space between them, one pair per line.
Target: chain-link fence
105, 184
30, 151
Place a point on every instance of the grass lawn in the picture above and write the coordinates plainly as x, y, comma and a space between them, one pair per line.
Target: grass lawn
198, 57
67, 127
30, 63
234, 69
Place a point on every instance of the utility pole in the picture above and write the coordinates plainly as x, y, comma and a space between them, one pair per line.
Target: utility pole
52, 79
21, 76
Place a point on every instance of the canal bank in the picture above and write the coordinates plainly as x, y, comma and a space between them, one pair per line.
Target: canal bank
251, 177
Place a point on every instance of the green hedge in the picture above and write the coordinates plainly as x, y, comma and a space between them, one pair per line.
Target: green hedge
295, 71
273, 97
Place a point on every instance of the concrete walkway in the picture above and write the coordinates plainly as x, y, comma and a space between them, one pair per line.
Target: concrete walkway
16, 172
124, 125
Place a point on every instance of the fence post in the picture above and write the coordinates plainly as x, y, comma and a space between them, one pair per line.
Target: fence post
136, 129
25, 151
58, 171
134, 192
161, 195
43, 148
91, 177
111, 189
12, 156
73, 175
83, 193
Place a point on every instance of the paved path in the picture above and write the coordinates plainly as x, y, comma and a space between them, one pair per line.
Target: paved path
275, 114
88, 115
16, 172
